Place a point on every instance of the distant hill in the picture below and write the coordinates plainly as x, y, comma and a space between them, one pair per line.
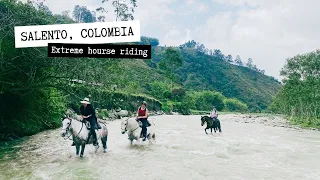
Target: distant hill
207, 72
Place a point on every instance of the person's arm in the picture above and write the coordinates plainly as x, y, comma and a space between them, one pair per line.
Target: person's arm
137, 116
82, 113
138, 112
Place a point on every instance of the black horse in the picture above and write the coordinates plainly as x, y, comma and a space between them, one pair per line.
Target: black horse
211, 124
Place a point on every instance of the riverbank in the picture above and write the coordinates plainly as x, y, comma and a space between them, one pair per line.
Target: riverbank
266, 119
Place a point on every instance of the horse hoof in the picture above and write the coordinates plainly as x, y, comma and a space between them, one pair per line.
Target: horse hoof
81, 156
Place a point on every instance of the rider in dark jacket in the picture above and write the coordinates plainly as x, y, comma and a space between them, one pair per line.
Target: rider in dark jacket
88, 114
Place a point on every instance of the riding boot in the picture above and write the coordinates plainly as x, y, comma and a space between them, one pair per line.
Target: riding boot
95, 141
144, 133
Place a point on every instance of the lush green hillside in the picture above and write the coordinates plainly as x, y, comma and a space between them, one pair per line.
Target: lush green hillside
200, 72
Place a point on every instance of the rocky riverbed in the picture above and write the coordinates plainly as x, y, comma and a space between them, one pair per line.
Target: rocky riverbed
266, 119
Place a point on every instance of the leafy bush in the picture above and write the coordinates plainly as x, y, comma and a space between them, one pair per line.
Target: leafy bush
160, 90
205, 100
39, 110
181, 107
167, 107
102, 113
234, 105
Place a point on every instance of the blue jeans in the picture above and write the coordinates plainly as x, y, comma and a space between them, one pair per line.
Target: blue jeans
144, 122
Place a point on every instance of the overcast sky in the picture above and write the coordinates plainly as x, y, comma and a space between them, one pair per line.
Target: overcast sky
268, 31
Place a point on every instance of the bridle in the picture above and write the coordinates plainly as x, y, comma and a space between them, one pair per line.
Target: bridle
68, 128
125, 129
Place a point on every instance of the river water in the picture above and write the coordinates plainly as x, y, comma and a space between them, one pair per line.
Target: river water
183, 151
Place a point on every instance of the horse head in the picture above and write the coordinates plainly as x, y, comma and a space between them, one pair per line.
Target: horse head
203, 120
124, 125
66, 123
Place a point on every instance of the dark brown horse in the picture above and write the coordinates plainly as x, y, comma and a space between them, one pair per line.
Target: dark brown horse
211, 124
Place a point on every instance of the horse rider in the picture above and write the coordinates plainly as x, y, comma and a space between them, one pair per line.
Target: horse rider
142, 116
214, 116
88, 114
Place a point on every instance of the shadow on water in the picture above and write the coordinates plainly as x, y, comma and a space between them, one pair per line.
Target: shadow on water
140, 146
10, 148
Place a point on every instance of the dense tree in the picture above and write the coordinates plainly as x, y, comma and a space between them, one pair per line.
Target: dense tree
250, 64
300, 96
83, 15
238, 61
170, 62
149, 41
229, 58
123, 9
190, 44
35, 83
218, 54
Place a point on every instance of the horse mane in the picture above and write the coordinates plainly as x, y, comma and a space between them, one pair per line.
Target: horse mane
72, 118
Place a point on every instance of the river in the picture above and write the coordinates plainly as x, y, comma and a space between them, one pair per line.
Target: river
247, 151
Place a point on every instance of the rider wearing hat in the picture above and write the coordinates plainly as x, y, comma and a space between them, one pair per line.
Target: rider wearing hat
142, 116
88, 114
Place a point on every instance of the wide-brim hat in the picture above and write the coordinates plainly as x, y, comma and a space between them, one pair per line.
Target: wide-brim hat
85, 101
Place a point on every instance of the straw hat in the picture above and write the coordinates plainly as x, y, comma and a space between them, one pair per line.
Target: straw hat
85, 101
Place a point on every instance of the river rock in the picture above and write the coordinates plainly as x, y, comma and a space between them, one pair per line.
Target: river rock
123, 113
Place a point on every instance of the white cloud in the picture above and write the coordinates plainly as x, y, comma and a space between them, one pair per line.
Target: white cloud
176, 37
190, 2
197, 6
268, 33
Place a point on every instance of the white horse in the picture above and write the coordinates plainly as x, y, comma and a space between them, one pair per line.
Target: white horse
133, 129
80, 132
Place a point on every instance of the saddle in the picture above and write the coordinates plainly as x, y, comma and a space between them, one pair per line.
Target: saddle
88, 125
148, 125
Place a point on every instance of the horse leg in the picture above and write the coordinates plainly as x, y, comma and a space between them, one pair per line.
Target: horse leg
77, 149
154, 137
83, 145
211, 130
104, 143
219, 126
149, 139
205, 130
214, 126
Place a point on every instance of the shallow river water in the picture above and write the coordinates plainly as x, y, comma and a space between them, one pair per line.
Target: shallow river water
183, 151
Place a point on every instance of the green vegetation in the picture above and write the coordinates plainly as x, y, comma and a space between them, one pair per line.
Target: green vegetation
299, 98
234, 105
36, 90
